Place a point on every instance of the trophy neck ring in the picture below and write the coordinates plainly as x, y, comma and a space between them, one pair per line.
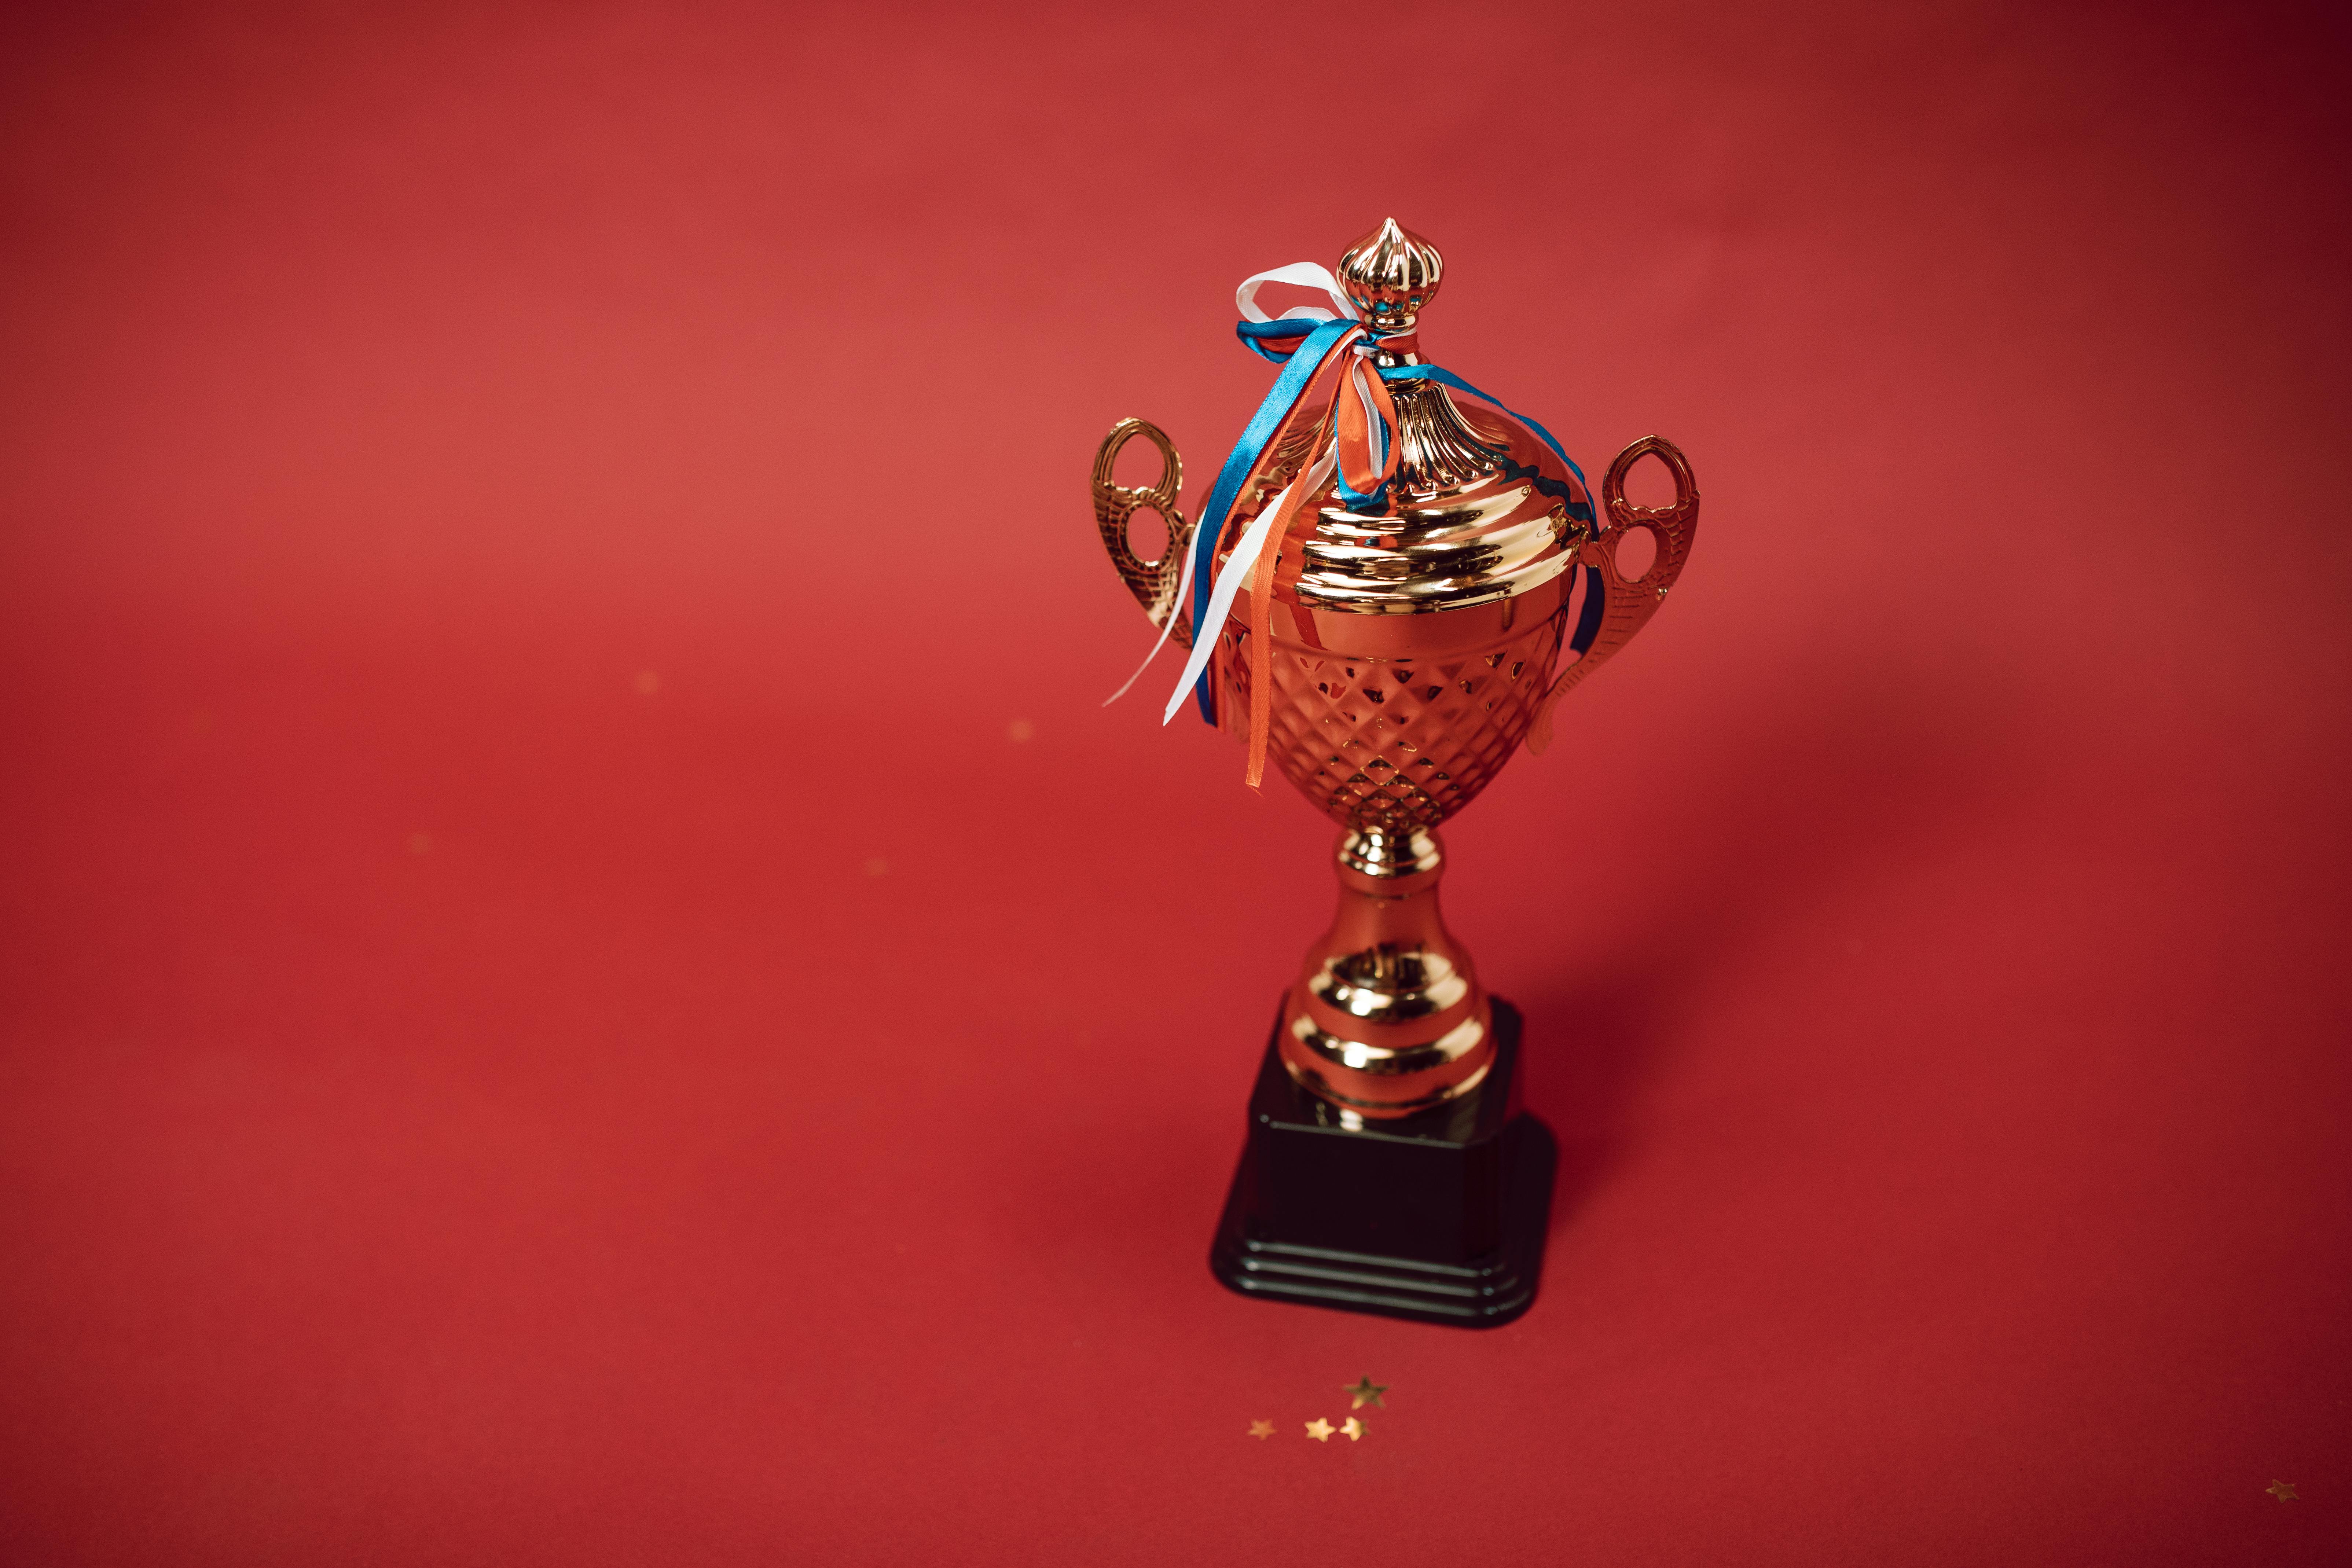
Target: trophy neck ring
1389, 857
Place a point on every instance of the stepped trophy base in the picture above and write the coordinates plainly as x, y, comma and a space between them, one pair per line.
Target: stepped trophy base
1439, 1216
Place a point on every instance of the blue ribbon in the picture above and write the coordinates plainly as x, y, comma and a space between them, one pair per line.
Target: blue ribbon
1306, 356
1596, 592
1256, 335
1301, 346
1430, 373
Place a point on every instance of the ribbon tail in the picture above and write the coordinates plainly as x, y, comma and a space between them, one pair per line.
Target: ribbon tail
1307, 362
1261, 622
1175, 608
1221, 602
1385, 410
1239, 567
1261, 626
1364, 415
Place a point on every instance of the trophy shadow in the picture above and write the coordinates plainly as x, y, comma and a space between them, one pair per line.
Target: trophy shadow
1842, 772
1590, 1049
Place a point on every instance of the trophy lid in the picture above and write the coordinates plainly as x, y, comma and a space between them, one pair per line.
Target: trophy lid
1482, 507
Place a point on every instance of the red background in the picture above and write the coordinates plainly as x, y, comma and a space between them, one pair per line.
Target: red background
460, 1107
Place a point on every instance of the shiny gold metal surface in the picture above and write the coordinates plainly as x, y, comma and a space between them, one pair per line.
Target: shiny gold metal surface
1153, 582
1390, 274
1409, 655
1629, 604
1387, 1017
1468, 525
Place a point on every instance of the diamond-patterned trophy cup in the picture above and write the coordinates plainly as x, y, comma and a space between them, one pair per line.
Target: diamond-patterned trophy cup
1411, 649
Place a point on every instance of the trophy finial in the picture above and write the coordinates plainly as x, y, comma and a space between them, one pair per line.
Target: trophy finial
1390, 274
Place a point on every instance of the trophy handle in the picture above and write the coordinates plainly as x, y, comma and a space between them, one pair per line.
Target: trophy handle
1625, 606
1153, 582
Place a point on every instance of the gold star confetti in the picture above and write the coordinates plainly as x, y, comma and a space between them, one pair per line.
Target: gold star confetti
1366, 1392
1353, 1428
1320, 1429
2282, 1490
1261, 1428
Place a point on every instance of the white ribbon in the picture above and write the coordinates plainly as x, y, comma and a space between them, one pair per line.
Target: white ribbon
1307, 275
1181, 604
1313, 275
1238, 566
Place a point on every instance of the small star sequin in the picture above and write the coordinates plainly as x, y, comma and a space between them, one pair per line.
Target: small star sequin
1353, 1428
1364, 1390
1261, 1428
2282, 1490
1320, 1429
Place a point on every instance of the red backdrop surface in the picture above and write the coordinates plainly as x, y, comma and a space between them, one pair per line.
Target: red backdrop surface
587, 981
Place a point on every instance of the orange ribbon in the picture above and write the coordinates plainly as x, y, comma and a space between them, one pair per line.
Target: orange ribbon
1350, 432
1358, 399
1354, 431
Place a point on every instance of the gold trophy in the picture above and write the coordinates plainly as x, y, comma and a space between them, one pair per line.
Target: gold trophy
1404, 577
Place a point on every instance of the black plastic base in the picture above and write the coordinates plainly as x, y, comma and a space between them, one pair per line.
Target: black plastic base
1439, 1217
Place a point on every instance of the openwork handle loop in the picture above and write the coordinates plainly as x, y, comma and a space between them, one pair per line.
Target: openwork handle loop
1153, 582
1628, 604
1673, 525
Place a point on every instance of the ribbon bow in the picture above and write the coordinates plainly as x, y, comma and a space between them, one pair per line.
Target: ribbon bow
1314, 346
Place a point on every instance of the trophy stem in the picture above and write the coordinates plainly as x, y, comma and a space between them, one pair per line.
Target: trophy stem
1388, 1018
